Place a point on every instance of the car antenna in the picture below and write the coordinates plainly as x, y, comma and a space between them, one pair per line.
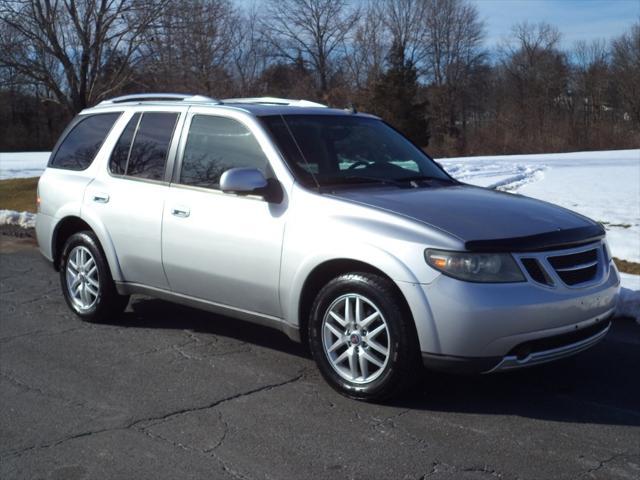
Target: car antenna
351, 108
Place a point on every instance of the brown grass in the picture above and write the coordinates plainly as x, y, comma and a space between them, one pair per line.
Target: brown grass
627, 267
18, 194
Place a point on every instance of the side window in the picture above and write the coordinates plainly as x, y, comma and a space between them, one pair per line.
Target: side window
120, 154
79, 148
217, 144
150, 146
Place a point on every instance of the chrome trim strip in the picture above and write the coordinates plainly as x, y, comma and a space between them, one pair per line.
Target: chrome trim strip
511, 362
582, 266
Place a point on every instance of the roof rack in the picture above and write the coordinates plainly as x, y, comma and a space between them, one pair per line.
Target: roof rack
154, 97
274, 101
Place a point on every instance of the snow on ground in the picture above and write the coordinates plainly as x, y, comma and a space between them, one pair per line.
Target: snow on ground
21, 219
22, 164
604, 186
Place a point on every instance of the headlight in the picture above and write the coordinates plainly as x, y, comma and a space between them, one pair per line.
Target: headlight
475, 267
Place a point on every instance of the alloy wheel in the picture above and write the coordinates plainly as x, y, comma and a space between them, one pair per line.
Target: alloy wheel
355, 338
83, 284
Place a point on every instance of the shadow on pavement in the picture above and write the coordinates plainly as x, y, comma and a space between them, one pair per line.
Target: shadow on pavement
598, 386
146, 312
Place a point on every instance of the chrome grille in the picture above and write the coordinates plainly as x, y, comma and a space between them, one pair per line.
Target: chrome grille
576, 268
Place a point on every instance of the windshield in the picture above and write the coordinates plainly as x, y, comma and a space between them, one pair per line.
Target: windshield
325, 150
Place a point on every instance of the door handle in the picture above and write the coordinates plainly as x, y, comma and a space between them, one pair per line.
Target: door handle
100, 198
180, 212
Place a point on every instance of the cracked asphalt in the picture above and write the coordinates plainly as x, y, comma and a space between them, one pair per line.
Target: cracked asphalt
170, 392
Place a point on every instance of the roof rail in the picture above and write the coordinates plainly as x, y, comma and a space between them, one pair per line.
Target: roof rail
154, 97
274, 101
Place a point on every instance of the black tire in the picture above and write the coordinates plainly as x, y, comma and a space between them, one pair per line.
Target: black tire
399, 372
107, 304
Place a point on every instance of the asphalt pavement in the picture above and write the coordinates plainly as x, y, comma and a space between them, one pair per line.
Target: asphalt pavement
168, 392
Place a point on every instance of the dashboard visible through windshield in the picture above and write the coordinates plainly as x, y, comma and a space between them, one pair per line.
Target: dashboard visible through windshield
325, 150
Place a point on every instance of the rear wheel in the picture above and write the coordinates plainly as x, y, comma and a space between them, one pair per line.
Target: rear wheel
86, 280
362, 338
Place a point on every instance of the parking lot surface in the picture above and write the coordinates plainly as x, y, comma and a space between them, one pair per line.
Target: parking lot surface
170, 392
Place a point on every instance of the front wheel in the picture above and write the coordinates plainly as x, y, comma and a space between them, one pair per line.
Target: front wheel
86, 280
362, 337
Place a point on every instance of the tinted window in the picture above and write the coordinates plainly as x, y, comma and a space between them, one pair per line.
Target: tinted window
120, 154
151, 144
79, 148
214, 145
326, 150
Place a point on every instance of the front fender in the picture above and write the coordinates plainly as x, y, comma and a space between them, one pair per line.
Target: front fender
294, 278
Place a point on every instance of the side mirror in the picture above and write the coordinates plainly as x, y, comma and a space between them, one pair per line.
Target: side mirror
250, 181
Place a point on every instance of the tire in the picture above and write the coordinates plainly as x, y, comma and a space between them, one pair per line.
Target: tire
391, 330
89, 290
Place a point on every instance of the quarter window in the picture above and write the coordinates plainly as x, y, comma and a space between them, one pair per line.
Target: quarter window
80, 146
217, 144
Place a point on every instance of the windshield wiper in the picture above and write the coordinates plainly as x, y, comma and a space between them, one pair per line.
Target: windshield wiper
403, 182
419, 178
350, 179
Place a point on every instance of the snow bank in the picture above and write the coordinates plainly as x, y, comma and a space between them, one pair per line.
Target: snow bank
603, 185
21, 219
22, 164
629, 302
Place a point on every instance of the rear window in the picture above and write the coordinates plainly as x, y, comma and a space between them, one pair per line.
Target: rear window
79, 147
120, 154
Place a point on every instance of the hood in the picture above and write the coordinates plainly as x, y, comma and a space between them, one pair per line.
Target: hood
486, 220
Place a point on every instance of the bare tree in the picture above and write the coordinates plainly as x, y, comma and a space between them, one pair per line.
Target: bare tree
250, 52
453, 51
364, 56
190, 46
311, 29
454, 33
405, 20
537, 76
82, 51
626, 68
591, 81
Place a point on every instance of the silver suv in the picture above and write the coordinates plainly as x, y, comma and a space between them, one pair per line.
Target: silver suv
326, 224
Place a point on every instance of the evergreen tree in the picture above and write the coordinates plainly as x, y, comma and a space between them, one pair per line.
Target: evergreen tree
395, 97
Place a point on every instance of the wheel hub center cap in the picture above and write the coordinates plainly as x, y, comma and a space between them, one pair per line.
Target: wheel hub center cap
355, 338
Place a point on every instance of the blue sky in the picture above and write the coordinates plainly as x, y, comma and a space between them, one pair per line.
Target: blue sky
576, 19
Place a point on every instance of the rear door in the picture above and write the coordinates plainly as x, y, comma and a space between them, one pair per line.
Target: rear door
129, 196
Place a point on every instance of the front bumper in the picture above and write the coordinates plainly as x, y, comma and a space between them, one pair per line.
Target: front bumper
528, 354
474, 327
